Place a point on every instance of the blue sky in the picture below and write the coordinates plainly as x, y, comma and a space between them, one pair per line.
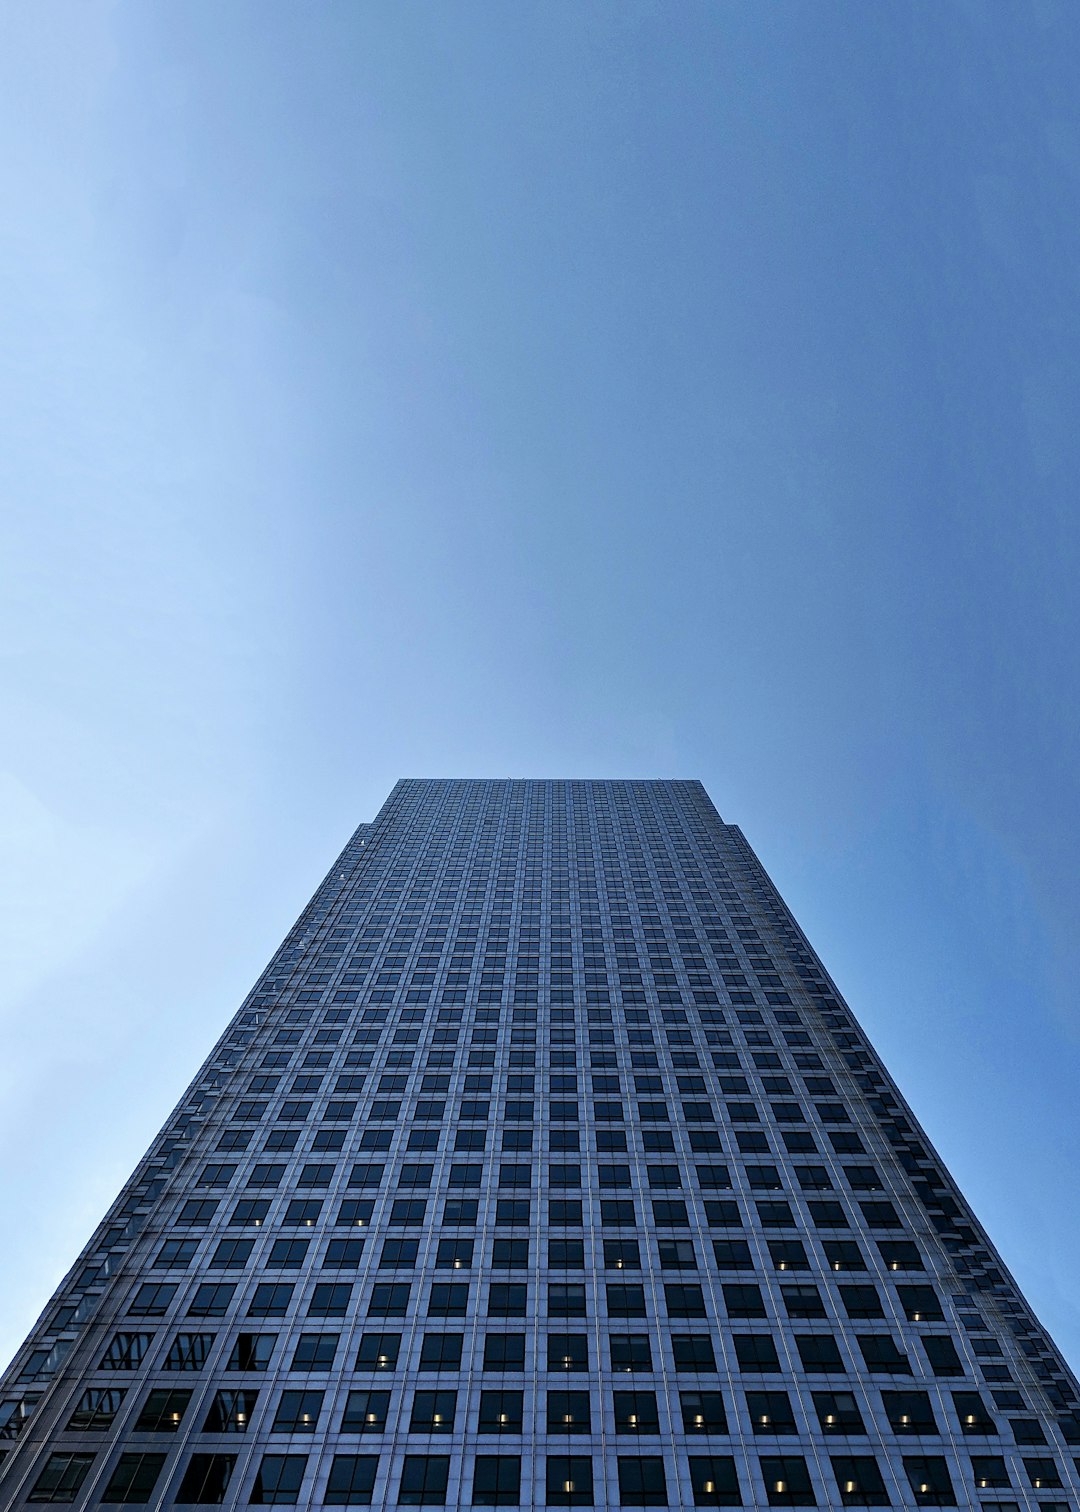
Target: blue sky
548, 389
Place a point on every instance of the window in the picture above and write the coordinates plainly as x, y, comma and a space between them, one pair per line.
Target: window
511, 1254
506, 1352
909, 1411
433, 1412
212, 1300
787, 1481
424, 1478
563, 1254
636, 1412
389, 1299
314, 1352
502, 1411
621, 1254
232, 1254
174, 1254
133, 1479
230, 1412
623, 1301
819, 1353
343, 1253
693, 1353
126, 1351
770, 1412
298, 1412
455, 1254
569, 1480
61, 1478
351, 1481
279, 1479
270, 1300
206, 1479
496, 1480
252, 1352
929, 1479
715, 1481
568, 1412
365, 1412
942, 1355
641, 1481
990, 1472
567, 1352
441, 1351
972, 1414
743, 1300
162, 1412
188, 1351
630, 1352
838, 1412
860, 1481
96, 1410
703, 1412
378, 1351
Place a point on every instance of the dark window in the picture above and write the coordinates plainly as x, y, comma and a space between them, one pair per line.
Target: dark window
743, 1300
365, 1412
567, 1352
441, 1351
636, 1412
496, 1480
206, 1479
162, 1412
378, 1351
972, 1414
230, 1412
314, 1352
251, 1351
861, 1302
298, 1412
838, 1412
641, 1481
133, 1479
505, 1352
703, 1412
502, 1411
96, 1410
693, 1353
61, 1478
454, 1254
569, 1481
568, 1412
424, 1479
279, 1479
929, 1479
883, 1356
506, 1299
630, 1352
819, 1353
990, 1472
859, 1480
352, 1480
623, 1301
843, 1255
909, 1411
787, 1481
433, 1412
770, 1412
942, 1355
271, 1299
189, 1351
715, 1481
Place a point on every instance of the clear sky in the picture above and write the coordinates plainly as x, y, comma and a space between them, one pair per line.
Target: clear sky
539, 389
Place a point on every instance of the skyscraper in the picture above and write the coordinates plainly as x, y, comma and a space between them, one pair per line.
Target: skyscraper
543, 1166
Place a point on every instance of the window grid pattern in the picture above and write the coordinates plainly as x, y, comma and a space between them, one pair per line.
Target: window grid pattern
544, 1165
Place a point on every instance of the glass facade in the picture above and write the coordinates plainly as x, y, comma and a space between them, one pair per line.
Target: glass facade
543, 1166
